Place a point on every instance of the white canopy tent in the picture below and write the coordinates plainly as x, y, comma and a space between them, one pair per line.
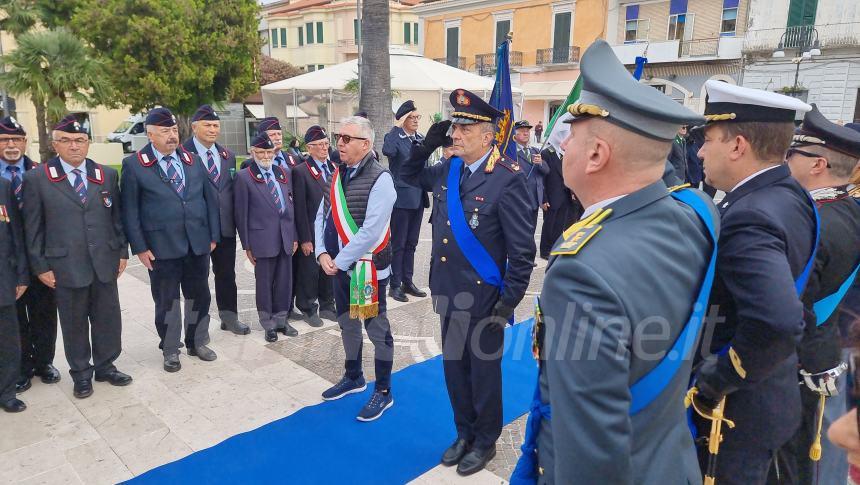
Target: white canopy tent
322, 96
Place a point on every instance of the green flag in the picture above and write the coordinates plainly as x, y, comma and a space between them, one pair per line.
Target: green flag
556, 130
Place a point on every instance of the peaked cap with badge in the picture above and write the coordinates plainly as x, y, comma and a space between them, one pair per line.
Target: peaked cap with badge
10, 126
522, 124
818, 130
728, 102
611, 93
469, 108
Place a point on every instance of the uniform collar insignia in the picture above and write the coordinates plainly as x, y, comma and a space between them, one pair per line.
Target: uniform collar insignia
95, 172
316, 173
577, 235
54, 170
828, 193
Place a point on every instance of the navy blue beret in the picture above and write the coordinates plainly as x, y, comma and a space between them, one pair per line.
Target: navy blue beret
206, 113
10, 126
262, 140
269, 123
315, 133
69, 124
160, 117
404, 109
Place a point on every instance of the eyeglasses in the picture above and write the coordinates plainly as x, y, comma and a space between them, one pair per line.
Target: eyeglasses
14, 139
318, 144
347, 138
414, 118
792, 151
70, 141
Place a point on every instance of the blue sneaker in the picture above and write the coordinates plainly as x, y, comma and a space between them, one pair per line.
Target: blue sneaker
344, 387
377, 405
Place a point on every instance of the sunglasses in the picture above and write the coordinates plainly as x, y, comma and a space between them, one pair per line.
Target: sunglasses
792, 151
346, 138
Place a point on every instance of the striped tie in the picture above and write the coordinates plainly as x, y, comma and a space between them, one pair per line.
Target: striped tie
274, 191
214, 174
173, 175
80, 188
16, 184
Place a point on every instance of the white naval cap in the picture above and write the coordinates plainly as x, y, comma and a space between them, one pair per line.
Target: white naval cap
728, 102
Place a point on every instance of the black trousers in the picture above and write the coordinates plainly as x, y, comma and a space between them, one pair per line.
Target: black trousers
224, 270
553, 225
378, 331
191, 275
405, 229
313, 288
273, 278
10, 352
37, 323
91, 310
472, 360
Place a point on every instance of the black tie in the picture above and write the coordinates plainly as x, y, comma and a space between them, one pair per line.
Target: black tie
465, 175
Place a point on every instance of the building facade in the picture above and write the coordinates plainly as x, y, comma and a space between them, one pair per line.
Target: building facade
548, 38
809, 49
686, 42
313, 34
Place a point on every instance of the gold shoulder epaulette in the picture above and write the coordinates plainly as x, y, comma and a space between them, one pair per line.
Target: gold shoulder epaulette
676, 188
578, 234
492, 159
855, 192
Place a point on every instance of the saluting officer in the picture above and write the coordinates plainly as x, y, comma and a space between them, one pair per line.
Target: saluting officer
531, 162
483, 248
220, 165
615, 301
411, 201
822, 157
311, 185
14, 278
766, 242
266, 223
283, 158
170, 215
77, 247
37, 309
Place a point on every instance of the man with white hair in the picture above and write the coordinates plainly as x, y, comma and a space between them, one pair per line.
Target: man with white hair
353, 246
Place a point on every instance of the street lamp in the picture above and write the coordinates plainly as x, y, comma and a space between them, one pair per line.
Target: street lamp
802, 38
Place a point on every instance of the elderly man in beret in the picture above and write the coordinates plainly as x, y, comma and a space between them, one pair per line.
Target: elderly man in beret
221, 166
170, 215
37, 309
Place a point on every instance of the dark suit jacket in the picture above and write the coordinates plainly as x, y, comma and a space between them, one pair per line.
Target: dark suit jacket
224, 187
555, 191
13, 254
309, 187
766, 239
504, 229
398, 148
535, 173
156, 218
77, 242
261, 228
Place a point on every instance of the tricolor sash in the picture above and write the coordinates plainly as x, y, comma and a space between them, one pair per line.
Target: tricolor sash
825, 307
363, 283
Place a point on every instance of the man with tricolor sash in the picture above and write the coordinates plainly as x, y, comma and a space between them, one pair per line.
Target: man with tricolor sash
483, 248
822, 157
624, 296
353, 246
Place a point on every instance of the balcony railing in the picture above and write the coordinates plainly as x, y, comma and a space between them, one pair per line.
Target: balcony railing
765, 41
699, 48
485, 64
458, 62
346, 42
557, 55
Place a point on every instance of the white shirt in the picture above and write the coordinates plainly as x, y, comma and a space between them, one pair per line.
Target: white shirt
599, 205
752, 177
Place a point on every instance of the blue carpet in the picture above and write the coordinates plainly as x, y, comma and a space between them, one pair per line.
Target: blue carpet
326, 444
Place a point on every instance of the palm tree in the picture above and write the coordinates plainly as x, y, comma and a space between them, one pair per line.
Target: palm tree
53, 67
375, 96
19, 16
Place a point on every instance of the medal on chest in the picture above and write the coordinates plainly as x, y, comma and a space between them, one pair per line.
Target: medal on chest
473, 222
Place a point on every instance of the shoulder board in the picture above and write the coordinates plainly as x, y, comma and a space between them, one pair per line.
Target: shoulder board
577, 235
855, 192
830, 194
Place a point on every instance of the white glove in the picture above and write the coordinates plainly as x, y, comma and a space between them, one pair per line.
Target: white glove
824, 382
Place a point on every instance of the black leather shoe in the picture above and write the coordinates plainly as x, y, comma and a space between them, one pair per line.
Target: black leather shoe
411, 289
83, 388
397, 294
288, 330
13, 405
314, 320
236, 327
294, 315
114, 378
22, 385
49, 374
329, 313
475, 461
271, 335
171, 363
455, 452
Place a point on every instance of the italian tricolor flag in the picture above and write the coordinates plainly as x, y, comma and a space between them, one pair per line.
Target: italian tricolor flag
363, 283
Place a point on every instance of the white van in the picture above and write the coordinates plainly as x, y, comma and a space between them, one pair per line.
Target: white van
133, 125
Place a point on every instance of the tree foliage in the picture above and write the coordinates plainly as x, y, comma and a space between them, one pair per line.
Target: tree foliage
272, 70
176, 53
54, 67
